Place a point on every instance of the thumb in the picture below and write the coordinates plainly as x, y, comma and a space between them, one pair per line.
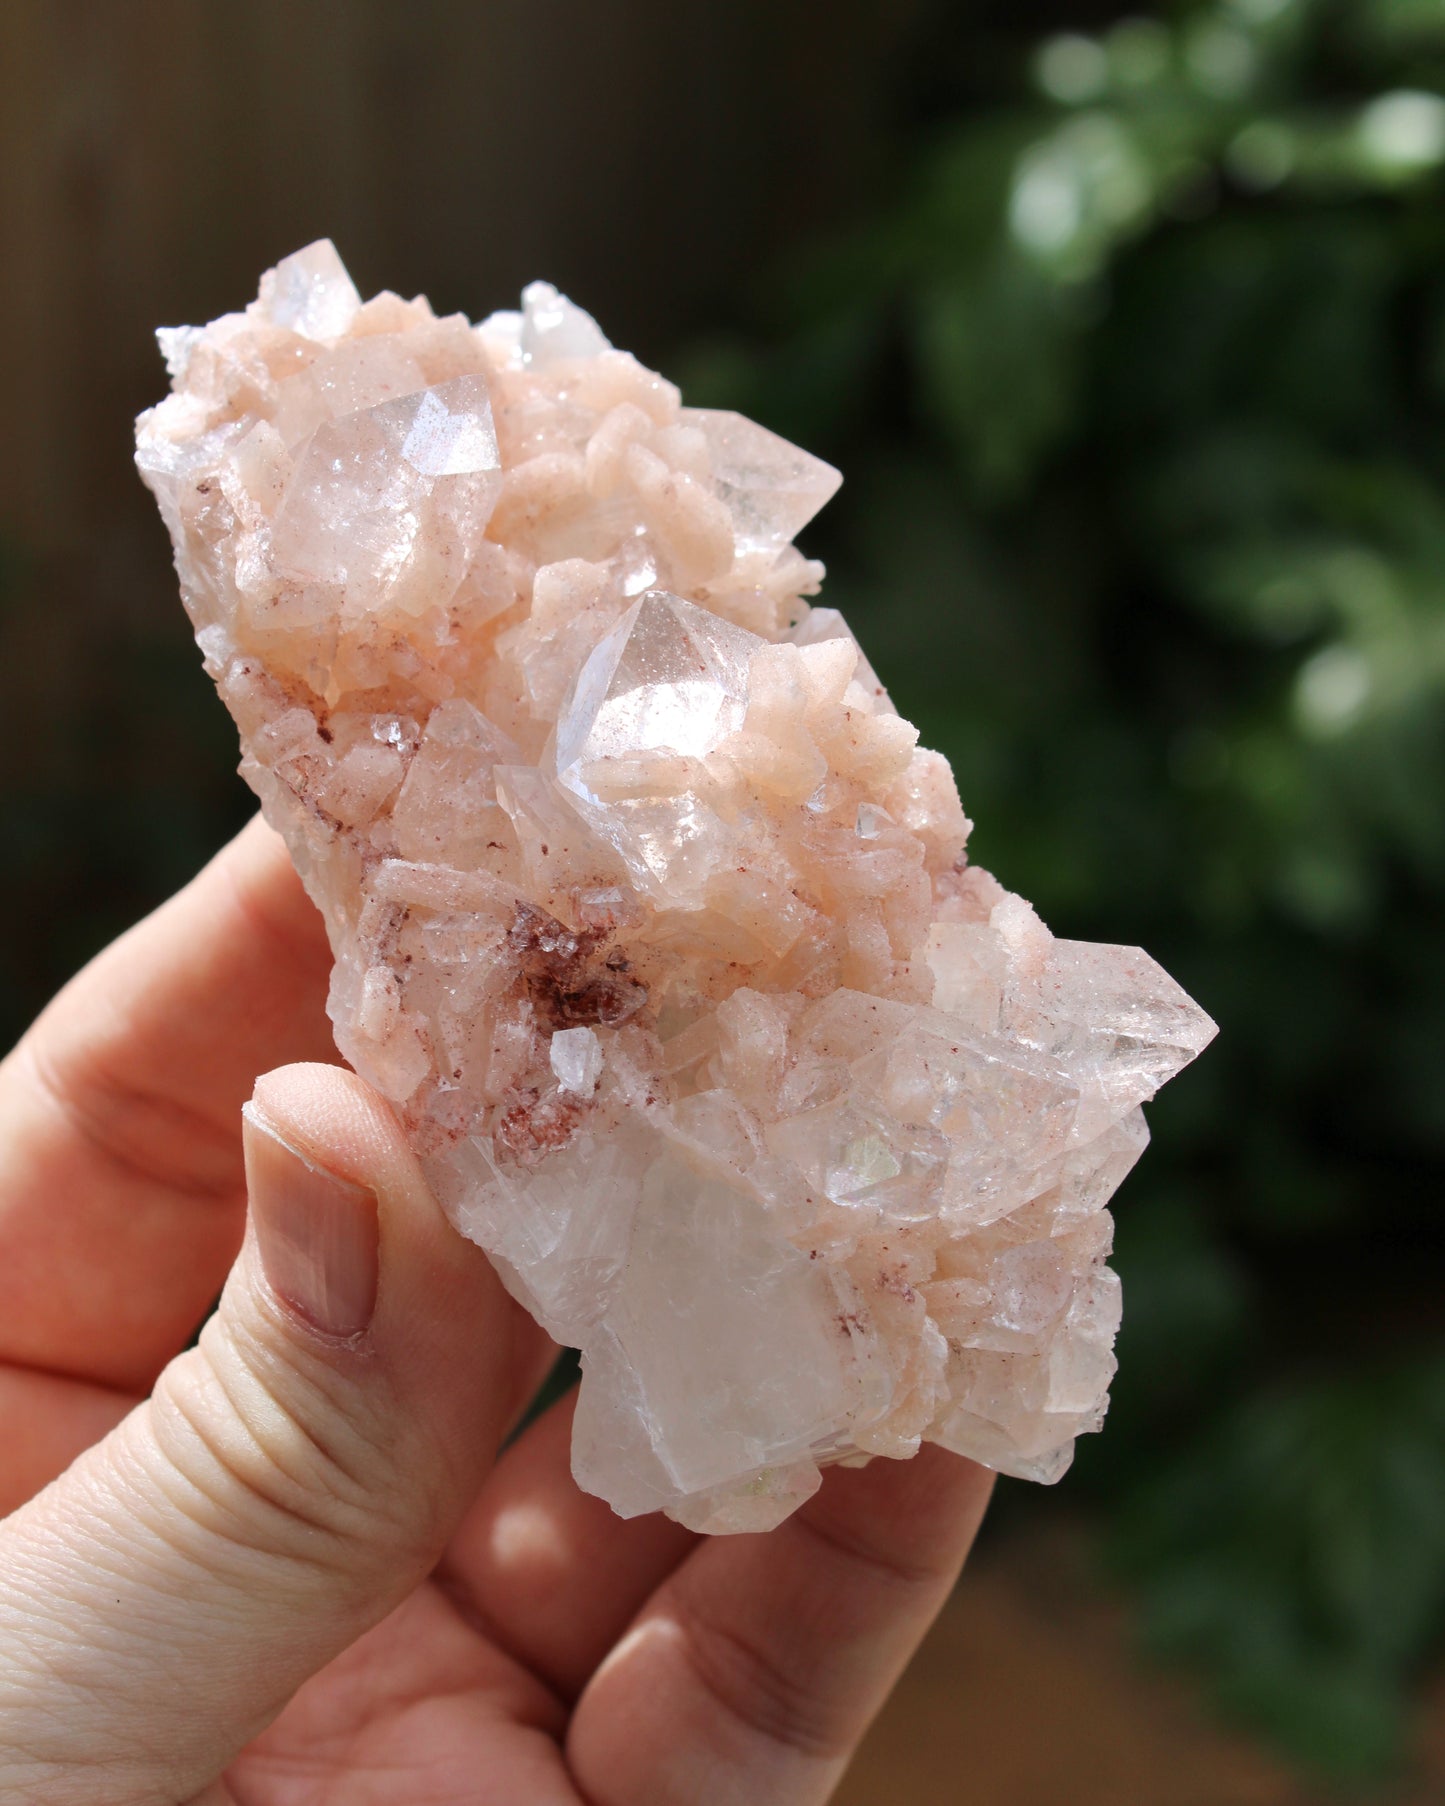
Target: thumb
290, 1480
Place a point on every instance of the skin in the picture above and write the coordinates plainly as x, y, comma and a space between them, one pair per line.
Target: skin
285, 1568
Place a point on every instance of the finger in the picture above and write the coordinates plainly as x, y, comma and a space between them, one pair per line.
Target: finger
289, 1482
121, 1190
551, 1572
757, 1667
47, 1423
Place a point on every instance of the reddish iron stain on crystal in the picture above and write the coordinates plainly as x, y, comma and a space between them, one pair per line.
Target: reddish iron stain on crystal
570, 983
530, 1126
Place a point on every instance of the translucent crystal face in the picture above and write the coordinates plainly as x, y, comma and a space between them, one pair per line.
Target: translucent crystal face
310, 293
373, 486
662, 691
770, 487
649, 915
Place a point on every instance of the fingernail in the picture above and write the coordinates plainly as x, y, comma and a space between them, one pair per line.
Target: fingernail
317, 1234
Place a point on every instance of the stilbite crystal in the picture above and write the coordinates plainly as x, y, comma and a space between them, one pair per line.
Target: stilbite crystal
649, 916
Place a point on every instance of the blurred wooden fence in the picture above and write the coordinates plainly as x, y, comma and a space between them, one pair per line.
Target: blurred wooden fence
155, 155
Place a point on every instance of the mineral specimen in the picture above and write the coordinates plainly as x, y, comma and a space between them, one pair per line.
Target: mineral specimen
649, 916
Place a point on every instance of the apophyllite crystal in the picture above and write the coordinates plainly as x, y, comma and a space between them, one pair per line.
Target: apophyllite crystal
649, 916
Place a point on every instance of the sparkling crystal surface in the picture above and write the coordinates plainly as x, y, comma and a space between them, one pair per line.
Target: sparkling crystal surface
649, 915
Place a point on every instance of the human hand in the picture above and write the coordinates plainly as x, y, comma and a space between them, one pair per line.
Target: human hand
287, 1566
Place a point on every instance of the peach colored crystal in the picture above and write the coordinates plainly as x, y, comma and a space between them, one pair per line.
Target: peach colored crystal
649, 916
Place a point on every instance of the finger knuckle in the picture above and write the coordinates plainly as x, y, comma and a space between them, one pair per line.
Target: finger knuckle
273, 1462
763, 1694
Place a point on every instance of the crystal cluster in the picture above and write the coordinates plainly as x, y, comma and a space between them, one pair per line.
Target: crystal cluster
650, 917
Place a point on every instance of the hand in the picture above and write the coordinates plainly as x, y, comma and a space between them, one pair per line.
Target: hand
287, 1566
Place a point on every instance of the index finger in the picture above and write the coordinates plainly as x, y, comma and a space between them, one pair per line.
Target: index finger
121, 1183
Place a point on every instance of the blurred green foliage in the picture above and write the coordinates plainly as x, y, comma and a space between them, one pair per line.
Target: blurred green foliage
1139, 385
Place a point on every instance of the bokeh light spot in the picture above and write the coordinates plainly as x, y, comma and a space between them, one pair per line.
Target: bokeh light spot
1072, 69
1331, 690
1404, 130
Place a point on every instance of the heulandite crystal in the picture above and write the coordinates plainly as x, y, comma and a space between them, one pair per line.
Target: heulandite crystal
650, 918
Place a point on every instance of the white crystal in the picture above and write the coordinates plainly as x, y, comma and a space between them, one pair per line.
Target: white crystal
575, 1056
554, 327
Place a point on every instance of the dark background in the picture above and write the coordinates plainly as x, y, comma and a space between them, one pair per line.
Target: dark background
1129, 335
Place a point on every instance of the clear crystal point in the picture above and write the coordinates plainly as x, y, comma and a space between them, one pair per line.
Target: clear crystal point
773, 488
311, 293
